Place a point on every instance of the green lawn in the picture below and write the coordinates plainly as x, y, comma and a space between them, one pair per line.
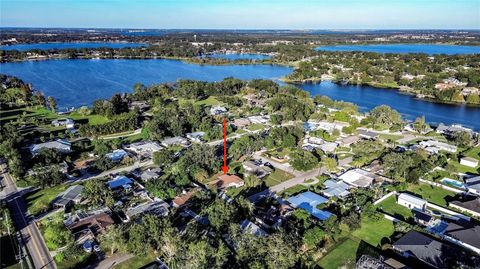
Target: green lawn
40, 201
293, 190
255, 127
462, 168
137, 261
210, 101
390, 137
474, 153
433, 194
93, 119
372, 231
276, 177
343, 255
391, 207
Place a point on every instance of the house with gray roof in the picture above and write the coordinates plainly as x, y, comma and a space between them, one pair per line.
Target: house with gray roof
473, 185
335, 189
465, 234
69, 196
61, 145
252, 228
158, 208
177, 140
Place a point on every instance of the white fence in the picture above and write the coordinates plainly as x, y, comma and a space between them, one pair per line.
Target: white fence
384, 197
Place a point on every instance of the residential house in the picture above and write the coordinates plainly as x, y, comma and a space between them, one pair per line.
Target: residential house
473, 185
117, 155
68, 123
349, 140
141, 105
469, 161
196, 136
92, 223
465, 234
183, 198
325, 125
368, 134
158, 208
450, 130
259, 119
143, 148
334, 188
60, 145
309, 201
252, 228
411, 202
120, 182
217, 110
434, 146
149, 174
257, 170
467, 203
425, 249
358, 178
177, 140
241, 123
226, 181
69, 196
422, 218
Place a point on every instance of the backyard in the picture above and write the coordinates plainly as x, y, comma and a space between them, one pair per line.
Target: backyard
276, 177
39, 201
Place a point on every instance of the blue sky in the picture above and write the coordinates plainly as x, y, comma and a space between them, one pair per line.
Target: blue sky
246, 14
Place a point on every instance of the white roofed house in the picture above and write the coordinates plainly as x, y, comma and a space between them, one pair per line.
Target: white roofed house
469, 161
411, 202
61, 145
368, 134
473, 185
259, 119
143, 148
68, 123
177, 140
433, 146
195, 136
217, 110
358, 178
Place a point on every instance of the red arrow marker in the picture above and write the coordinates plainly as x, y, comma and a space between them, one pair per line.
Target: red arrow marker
225, 167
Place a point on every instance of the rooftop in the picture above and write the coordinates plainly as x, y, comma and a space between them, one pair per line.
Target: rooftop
358, 177
309, 201
119, 181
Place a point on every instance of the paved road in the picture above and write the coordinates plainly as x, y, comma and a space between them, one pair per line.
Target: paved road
129, 168
28, 229
111, 262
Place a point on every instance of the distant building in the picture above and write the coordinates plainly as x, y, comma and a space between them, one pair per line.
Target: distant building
425, 249
469, 161
120, 182
465, 234
158, 208
217, 110
368, 134
60, 145
473, 185
241, 123
348, 141
309, 201
183, 198
257, 170
117, 155
196, 136
411, 202
434, 146
177, 140
68, 123
250, 227
335, 189
150, 174
143, 148
358, 178
69, 196
468, 203
259, 119
226, 181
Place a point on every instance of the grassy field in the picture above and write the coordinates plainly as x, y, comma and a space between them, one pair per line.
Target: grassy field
40, 200
391, 207
390, 137
462, 168
210, 101
276, 177
92, 119
474, 153
372, 231
433, 194
137, 261
255, 127
344, 255
293, 190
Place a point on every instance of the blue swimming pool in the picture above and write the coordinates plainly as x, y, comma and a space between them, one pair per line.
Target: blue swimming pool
453, 182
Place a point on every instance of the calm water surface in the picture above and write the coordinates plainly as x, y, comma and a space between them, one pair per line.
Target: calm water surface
405, 48
70, 45
80, 82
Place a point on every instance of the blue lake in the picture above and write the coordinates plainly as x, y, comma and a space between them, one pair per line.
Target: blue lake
405, 48
70, 45
239, 56
80, 82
